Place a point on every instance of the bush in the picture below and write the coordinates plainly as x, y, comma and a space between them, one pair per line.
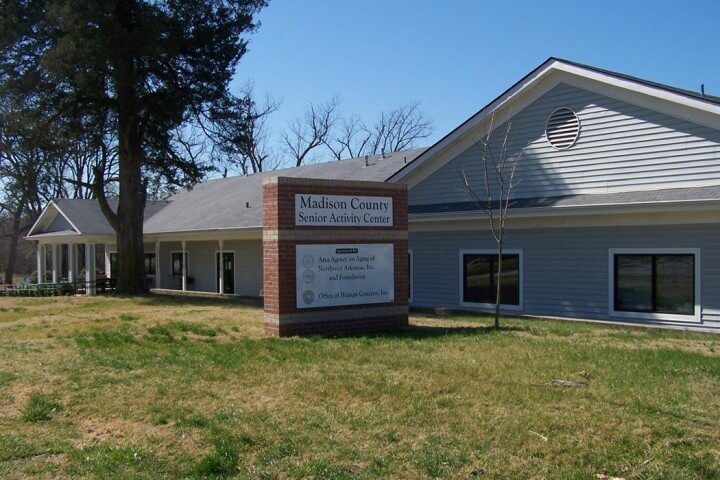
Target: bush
42, 290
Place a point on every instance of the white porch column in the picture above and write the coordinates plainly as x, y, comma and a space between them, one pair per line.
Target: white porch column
72, 263
54, 253
40, 253
184, 267
89, 269
221, 266
108, 269
158, 265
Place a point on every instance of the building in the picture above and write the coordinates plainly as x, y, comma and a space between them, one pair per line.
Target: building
615, 217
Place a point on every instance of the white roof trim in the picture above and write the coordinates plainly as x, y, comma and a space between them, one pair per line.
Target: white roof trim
42, 214
563, 210
545, 77
40, 217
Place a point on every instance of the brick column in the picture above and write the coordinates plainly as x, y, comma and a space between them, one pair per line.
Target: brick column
281, 236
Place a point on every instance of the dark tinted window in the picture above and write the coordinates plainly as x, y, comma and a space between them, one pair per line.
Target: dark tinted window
655, 283
480, 279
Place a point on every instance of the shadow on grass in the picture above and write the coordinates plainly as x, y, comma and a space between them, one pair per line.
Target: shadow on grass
157, 300
429, 331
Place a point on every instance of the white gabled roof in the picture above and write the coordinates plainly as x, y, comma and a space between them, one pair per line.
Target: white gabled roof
47, 217
692, 106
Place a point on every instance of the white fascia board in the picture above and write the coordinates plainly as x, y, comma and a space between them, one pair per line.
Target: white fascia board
539, 82
652, 98
469, 125
51, 203
199, 235
74, 238
600, 209
41, 217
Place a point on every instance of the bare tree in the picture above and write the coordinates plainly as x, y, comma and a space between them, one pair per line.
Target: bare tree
494, 196
89, 152
305, 134
239, 133
399, 129
27, 150
351, 140
395, 130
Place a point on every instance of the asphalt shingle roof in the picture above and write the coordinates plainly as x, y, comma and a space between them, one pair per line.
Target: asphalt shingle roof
236, 202
86, 215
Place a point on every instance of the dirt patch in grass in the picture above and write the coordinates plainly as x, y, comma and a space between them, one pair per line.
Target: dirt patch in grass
96, 430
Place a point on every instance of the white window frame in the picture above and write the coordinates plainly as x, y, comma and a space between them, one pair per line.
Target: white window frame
187, 263
696, 317
217, 272
411, 273
461, 285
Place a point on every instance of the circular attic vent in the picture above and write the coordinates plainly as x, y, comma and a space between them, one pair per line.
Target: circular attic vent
562, 128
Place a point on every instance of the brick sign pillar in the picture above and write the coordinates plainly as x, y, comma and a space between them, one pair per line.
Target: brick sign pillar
335, 256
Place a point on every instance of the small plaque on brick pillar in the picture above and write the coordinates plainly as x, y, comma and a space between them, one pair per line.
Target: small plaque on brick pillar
334, 255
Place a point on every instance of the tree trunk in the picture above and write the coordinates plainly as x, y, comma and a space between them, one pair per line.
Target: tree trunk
130, 215
131, 204
498, 282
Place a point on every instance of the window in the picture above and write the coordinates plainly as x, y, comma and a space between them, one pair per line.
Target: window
177, 263
149, 264
662, 285
113, 264
479, 278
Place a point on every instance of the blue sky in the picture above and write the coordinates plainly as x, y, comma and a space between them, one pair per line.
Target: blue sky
455, 56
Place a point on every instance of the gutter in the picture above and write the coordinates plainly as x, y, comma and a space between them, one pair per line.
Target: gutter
591, 209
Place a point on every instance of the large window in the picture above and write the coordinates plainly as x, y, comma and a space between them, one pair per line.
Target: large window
149, 264
113, 264
480, 280
655, 285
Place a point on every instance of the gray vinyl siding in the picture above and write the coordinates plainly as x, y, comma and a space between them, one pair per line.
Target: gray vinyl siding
565, 270
248, 266
165, 264
201, 265
621, 147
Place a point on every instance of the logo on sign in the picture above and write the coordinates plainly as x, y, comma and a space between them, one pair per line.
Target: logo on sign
308, 297
308, 261
308, 276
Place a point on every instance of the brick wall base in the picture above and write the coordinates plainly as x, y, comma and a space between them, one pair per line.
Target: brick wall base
337, 327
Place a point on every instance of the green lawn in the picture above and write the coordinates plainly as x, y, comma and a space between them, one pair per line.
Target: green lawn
181, 388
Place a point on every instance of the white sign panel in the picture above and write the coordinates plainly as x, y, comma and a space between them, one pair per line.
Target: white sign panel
343, 210
334, 275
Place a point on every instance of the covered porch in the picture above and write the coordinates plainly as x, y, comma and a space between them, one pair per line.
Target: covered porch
80, 265
224, 263
230, 265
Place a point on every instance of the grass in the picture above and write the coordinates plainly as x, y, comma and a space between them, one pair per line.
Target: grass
191, 388
40, 408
